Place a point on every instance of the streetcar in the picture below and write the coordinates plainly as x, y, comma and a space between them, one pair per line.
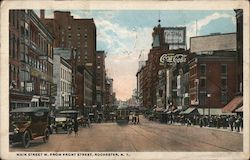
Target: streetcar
122, 115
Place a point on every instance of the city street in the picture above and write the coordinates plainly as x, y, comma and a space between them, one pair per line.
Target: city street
146, 136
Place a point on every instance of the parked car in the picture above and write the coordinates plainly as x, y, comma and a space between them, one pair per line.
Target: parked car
60, 124
29, 123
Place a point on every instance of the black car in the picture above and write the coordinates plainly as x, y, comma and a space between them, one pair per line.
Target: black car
29, 123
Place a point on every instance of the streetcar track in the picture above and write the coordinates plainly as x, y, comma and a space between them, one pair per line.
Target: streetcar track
180, 135
149, 139
131, 143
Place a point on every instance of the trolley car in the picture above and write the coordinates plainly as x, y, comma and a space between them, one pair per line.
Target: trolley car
122, 116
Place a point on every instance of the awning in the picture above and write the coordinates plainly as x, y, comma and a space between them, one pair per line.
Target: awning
210, 111
239, 109
190, 111
177, 110
233, 104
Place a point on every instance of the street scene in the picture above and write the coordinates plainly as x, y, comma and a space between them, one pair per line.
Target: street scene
126, 81
147, 136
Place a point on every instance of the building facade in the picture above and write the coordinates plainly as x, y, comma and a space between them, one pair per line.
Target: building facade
31, 60
63, 78
100, 77
213, 72
239, 38
156, 78
78, 35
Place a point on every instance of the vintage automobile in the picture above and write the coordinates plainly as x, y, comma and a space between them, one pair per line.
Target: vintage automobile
60, 123
29, 123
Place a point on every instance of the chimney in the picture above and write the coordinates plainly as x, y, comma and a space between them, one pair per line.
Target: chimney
42, 13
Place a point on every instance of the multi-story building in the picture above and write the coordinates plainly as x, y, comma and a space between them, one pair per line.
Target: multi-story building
31, 60
63, 78
156, 88
213, 70
100, 77
239, 38
109, 91
76, 34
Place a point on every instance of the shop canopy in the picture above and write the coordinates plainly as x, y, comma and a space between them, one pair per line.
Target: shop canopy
211, 111
233, 104
239, 109
190, 110
69, 112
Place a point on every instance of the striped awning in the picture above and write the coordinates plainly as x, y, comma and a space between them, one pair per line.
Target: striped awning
233, 104
239, 109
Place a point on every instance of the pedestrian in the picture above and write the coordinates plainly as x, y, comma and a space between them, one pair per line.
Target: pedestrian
201, 122
134, 119
76, 127
69, 126
241, 123
231, 121
237, 124
138, 120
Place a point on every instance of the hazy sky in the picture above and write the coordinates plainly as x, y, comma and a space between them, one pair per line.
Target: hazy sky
126, 34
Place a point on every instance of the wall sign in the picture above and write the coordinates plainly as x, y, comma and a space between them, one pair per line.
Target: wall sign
173, 58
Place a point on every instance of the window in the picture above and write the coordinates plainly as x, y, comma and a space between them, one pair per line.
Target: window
224, 83
224, 69
224, 97
203, 69
203, 83
29, 87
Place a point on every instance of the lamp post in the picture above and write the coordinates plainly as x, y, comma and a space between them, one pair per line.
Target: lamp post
165, 87
208, 96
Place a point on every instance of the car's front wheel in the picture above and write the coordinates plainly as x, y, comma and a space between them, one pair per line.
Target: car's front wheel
46, 136
26, 139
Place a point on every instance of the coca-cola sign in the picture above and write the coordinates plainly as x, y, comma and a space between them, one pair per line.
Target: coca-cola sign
173, 58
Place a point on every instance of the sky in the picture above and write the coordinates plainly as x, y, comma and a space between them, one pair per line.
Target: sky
126, 34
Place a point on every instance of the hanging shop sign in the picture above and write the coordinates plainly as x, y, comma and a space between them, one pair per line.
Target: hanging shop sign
173, 58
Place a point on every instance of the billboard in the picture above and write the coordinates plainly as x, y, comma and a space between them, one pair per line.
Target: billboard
175, 35
226, 41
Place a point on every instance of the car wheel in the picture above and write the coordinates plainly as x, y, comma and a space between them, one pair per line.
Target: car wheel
26, 139
46, 136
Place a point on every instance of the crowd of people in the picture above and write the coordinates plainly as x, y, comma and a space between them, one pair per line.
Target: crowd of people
222, 121
135, 118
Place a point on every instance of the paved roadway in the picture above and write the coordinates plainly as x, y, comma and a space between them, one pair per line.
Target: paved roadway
147, 136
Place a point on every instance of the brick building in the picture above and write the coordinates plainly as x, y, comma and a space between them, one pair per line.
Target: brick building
100, 77
213, 71
239, 38
166, 40
78, 35
31, 60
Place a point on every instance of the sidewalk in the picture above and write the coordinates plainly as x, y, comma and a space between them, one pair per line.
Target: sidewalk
228, 129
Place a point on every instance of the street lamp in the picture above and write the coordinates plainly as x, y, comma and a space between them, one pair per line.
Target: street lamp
165, 87
208, 96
